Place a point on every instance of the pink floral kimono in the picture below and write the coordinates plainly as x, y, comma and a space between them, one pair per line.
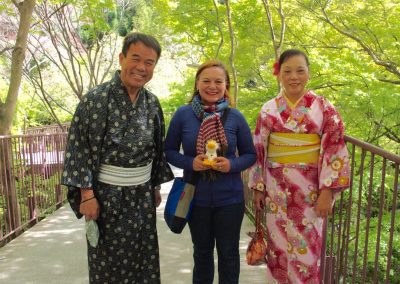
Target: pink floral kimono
294, 232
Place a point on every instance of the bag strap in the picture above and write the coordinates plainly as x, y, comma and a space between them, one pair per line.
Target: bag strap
259, 229
225, 115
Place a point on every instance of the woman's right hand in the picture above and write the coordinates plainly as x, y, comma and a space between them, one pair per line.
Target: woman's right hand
89, 206
259, 200
198, 163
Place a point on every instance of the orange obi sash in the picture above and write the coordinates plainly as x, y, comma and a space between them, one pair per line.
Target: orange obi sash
292, 148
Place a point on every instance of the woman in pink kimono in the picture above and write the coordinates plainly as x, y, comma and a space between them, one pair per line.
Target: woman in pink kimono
302, 162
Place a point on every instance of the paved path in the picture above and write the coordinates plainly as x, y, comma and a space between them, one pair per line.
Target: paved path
54, 252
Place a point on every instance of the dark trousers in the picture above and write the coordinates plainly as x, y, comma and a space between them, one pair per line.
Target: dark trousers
220, 226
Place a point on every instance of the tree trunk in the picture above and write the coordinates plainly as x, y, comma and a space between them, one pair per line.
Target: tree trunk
232, 55
7, 109
12, 215
221, 41
277, 40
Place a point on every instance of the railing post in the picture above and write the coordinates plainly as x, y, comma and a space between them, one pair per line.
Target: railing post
32, 193
58, 196
31, 206
323, 253
7, 182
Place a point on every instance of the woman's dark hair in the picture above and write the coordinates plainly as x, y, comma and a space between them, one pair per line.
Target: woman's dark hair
147, 40
209, 64
290, 53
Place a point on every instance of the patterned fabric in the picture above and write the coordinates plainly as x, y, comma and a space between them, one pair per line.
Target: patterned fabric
211, 126
294, 232
108, 129
128, 249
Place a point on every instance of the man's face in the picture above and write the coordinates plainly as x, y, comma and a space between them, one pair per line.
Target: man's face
137, 66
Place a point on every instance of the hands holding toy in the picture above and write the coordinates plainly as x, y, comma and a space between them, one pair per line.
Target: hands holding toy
220, 164
211, 160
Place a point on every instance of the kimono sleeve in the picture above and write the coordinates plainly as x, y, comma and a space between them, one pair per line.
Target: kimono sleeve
333, 167
256, 172
77, 171
161, 171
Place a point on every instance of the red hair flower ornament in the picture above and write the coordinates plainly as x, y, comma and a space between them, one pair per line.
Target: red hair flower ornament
276, 68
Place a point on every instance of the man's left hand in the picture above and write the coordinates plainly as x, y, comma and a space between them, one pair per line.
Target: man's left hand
157, 196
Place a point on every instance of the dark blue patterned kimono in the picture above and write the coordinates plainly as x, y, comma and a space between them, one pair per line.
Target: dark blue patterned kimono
108, 128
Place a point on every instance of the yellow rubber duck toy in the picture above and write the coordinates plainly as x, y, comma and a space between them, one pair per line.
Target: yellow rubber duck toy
211, 153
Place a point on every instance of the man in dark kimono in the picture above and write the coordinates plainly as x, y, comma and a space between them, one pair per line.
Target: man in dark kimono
114, 165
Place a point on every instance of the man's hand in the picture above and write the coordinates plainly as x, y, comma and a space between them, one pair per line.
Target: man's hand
323, 208
89, 206
157, 196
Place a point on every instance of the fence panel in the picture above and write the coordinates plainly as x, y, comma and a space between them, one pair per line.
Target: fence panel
30, 173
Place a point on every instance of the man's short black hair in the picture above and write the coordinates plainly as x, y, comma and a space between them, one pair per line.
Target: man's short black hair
147, 40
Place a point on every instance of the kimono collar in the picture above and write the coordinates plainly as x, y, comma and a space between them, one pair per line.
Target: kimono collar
291, 104
121, 93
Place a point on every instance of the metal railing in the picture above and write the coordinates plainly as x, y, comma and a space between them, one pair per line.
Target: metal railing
53, 128
362, 238
30, 173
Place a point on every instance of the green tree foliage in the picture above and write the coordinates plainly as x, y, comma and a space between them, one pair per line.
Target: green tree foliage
352, 45
93, 22
359, 44
77, 45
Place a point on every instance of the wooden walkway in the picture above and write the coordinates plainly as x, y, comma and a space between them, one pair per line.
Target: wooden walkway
54, 251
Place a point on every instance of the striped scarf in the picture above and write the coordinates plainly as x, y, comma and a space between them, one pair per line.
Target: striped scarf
211, 126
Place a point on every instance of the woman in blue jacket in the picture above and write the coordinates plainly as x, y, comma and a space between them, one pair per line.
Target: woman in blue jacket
218, 208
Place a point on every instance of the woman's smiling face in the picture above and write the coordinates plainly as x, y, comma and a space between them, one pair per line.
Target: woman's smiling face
211, 84
294, 75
